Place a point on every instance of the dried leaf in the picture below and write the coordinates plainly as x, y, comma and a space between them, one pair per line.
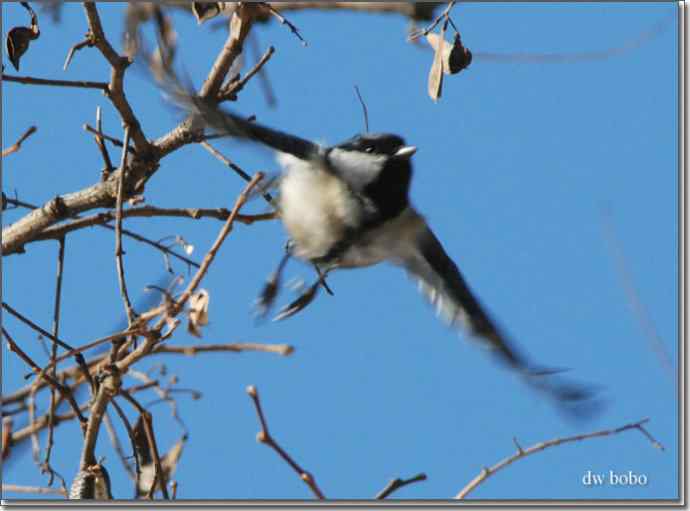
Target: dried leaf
198, 312
19, 38
455, 56
204, 11
458, 58
141, 442
436, 71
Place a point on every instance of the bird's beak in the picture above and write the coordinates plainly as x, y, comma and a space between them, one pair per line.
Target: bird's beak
405, 151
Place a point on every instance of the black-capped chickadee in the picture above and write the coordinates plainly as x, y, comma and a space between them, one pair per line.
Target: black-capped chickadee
347, 206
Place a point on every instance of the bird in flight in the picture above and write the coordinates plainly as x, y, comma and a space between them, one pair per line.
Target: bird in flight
347, 206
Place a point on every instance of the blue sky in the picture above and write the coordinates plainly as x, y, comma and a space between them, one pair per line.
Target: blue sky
515, 166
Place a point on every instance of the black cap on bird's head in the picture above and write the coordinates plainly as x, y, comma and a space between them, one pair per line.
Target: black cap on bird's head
385, 144
378, 165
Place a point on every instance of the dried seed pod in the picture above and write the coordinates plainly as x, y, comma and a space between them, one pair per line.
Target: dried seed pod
92, 483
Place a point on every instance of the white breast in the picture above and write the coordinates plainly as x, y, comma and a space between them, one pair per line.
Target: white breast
316, 208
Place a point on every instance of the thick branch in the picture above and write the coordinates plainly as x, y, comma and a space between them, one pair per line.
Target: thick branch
109, 386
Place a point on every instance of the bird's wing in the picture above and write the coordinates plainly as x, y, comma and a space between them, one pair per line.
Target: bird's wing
444, 286
227, 123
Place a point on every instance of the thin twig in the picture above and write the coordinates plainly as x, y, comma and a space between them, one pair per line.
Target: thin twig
30, 80
264, 82
70, 372
364, 109
398, 483
42, 423
99, 139
118, 234
237, 347
64, 391
18, 144
284, 21
231, 90
115, 441
130, 433
53, 353
437, 20
33, 325
59, 231
104, 218
115, 141
265, 438
211, 254
522, 453
90, 345
163, 394
234, 167
76, 47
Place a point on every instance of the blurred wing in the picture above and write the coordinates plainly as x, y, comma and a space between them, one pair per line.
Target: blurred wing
441, 282
444, 286
227, 123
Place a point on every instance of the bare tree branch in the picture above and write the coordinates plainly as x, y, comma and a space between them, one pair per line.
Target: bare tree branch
115, 88
118, 233
64, 391
53, 352
238, 347
398, 483
265, 437
18, 144
33, 489
230, 91
30, 80
522, 453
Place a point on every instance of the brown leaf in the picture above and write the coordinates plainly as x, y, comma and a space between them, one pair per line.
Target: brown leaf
19, 38
204, 11
198, 312
455, 56
458, 57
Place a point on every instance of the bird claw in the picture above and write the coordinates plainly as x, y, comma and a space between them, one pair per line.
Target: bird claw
266, 297
300, 303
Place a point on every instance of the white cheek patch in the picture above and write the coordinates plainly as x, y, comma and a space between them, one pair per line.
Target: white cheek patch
357, 168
